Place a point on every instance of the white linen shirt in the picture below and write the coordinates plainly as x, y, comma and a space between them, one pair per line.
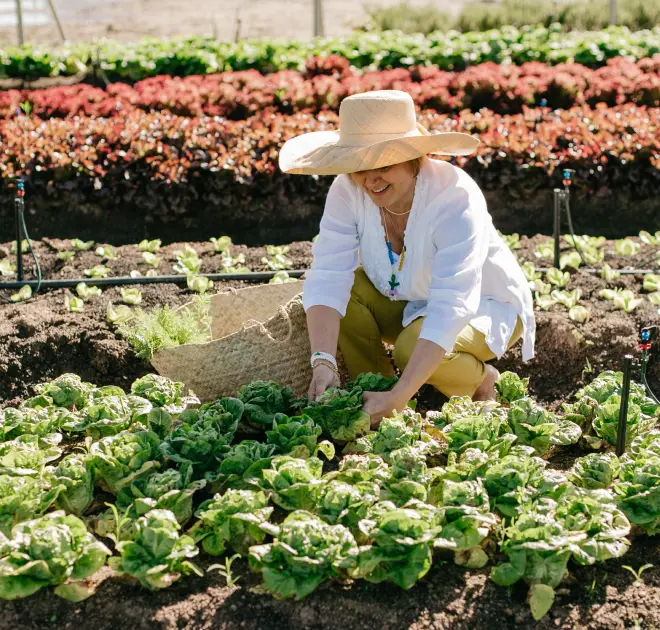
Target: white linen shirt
457, 269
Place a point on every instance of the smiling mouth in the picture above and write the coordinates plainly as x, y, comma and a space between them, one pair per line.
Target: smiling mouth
380, 191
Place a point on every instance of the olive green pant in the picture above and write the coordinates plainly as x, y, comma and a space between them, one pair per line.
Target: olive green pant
372, 318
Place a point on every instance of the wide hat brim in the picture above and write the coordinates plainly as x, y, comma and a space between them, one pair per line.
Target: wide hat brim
322, 153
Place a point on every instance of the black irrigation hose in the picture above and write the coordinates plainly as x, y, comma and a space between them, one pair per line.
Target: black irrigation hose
649, 392
569, 218
122, 280
656, 256
180, 279
570, 228
34, 256
36, 283
629, 272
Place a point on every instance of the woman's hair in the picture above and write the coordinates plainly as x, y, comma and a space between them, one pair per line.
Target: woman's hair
416, 165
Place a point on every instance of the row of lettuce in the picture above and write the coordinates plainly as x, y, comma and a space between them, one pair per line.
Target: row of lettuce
326, 82
129, 159
468, 482
183, 56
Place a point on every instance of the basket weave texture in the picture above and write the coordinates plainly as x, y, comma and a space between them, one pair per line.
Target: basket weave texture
258, 333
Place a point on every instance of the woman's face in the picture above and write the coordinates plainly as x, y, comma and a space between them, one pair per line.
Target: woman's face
387, 186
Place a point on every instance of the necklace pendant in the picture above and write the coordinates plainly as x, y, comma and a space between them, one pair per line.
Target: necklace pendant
393, 285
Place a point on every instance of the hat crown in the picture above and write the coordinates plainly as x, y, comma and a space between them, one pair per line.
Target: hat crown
378, 115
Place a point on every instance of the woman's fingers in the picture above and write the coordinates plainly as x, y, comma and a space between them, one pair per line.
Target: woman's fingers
323, 378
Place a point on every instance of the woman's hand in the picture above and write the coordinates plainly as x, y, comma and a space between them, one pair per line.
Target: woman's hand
323, 377
380, 405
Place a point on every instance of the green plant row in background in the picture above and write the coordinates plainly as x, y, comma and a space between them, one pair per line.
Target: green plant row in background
584, 15
391, 49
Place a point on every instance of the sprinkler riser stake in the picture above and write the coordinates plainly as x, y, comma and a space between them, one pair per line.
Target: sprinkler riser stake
623, 409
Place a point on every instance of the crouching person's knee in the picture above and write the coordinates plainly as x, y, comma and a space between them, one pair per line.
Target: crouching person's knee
402, 353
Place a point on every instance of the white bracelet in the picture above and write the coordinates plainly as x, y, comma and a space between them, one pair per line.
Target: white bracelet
325, 356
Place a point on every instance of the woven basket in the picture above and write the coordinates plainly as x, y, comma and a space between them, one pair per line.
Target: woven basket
258, 333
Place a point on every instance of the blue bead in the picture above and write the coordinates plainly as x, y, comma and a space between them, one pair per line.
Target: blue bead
389, 252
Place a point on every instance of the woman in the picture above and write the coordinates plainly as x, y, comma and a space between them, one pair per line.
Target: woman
435, 280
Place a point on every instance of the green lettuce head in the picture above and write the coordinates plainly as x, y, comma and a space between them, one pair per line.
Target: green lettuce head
25, 497
458, 407
67, 390
241, 464
111, 414
396, 432
264, 399
339, 413
370, 382
510, 387
401, 542
53, 550
304, 553
516, 479
409, 476
539, 428
606, 422
232, 520
28, 421
172, 490
201, 443
346, 504
466, 514
294, 484
638, 491
28, 454
75, 473
159, 555
594, 471
162, 392
358, 468
296, 436
489, 433
121, 459
226, 413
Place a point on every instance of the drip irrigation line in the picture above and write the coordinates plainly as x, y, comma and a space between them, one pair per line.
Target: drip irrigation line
649, 392
571, 230
629, 272
34, 256
122, 280
180, 279
656, 256
21, 231
562, 197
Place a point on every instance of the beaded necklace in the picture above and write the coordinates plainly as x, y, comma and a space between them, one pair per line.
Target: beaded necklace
393, 282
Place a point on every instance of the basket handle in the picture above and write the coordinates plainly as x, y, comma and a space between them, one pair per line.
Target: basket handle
264, 331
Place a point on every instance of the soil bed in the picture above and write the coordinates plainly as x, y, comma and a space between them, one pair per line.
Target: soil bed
40, 340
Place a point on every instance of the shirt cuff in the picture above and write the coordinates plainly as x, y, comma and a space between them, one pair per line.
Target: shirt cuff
310, 299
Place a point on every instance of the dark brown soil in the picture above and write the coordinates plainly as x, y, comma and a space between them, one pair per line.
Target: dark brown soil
40, 339
604, 597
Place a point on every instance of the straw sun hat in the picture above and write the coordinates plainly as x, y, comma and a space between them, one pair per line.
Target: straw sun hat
376, 129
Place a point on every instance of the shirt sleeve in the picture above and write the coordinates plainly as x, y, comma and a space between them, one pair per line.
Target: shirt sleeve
461, 242
335, 252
